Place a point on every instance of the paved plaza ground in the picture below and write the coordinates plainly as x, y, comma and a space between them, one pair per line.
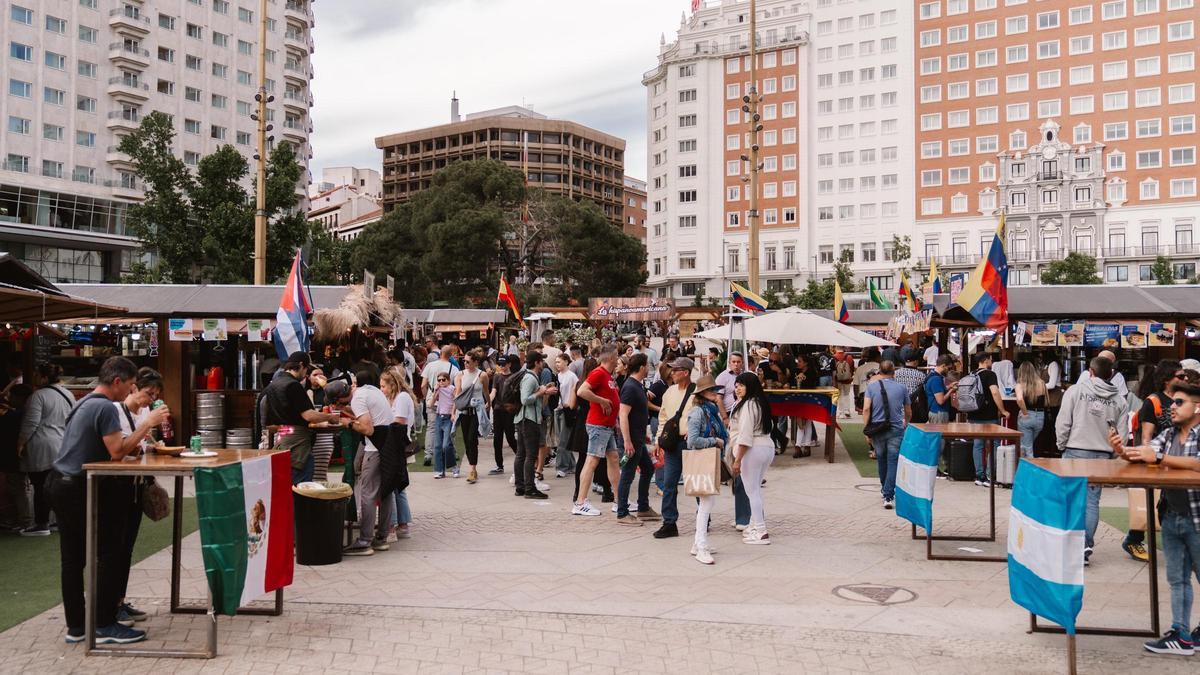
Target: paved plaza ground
492, 583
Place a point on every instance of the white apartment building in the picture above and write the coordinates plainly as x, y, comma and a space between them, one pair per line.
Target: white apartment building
345, 208
80, 74
367, 181
836, 179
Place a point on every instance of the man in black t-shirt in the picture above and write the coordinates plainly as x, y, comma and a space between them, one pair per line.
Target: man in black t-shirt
286, 404
634, 417
991, 408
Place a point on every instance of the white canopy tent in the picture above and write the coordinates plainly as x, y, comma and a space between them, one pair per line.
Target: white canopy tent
793, 325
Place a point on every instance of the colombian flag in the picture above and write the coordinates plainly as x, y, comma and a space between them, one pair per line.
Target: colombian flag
747, 300
839, 304
907, 295
507, 296
934, 280
985, 295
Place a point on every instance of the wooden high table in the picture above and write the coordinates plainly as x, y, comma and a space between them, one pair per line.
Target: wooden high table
990, 433
1119, 473
808, 410
178, 468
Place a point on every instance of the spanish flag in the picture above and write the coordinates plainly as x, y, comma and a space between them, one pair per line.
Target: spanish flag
507, 296
985, 295
747, 300
839, 304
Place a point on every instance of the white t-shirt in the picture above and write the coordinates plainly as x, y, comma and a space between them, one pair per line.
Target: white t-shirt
435, 368
403, 406
931, 356
1055, 375
368, 399
138, 418
566, 387
550, 353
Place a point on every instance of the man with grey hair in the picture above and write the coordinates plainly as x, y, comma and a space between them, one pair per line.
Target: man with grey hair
885, 399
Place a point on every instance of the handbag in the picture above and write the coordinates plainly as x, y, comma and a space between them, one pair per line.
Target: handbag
462, 402
669, 436
702, 472
156, 504
876, 428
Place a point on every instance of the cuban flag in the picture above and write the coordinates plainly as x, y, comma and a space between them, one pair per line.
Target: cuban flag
291, 332
916, 474
1045, 544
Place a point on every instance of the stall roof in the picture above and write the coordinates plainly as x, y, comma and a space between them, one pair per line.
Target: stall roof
1101, 301
27, 297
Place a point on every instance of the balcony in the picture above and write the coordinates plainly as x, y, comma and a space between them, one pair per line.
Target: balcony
295, 131
297, 100
1049, 176
124, 187
297, 11
297, 73
129, 18
297, 39
127, 120
122, 54
113, 155
129, 88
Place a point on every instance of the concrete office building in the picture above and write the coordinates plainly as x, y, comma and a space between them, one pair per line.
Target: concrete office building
80, 74
835, 174
562, 157
1077, 119
635, 208
365, 181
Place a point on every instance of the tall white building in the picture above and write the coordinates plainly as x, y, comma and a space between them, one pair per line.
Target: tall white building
837, 116
80, 74
366, 181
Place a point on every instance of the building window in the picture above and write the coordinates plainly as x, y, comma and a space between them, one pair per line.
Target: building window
687, 260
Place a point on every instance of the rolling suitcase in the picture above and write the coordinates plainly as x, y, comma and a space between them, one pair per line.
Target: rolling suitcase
1006, 458
960, 462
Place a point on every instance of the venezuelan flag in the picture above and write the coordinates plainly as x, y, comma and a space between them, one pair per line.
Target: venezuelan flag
818, 406
935, 280
985, 295
839, 304
747, 300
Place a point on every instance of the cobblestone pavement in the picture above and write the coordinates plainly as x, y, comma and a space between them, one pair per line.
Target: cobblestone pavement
490, 583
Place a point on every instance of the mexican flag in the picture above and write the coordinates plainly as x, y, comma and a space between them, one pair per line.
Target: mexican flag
246, 529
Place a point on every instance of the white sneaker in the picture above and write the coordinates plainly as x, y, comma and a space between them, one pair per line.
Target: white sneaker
704, 556
560, 474
585, 509
739, 527
706, 548
543, 486
889, 504
628, 507
597, 489
512, 479
454, 473
756, 537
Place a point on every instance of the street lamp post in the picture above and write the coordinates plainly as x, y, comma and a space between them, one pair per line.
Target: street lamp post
751, 101
260, 206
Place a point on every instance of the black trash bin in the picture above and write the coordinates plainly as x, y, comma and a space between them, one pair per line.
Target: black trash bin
961, 463
319, 520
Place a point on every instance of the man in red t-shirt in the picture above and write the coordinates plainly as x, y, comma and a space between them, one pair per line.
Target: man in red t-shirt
601, 392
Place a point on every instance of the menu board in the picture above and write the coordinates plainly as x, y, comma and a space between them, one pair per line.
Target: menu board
1070, 334
1102, 335
1133, 335
1043, 335
215, 329
180, 329
1161, 335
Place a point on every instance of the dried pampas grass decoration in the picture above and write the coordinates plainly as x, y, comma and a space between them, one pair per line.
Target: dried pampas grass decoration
332, 324
387, 312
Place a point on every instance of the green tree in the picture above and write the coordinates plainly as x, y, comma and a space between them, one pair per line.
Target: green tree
844, 274
594, 258
1163, 271
816, 295
201, 225
901, 251
1076, 268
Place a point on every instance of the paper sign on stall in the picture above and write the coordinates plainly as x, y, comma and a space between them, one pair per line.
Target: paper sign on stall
1022, 329
1070, 334
258, 330
180, 330
1133, 336
1161, 335
215, 329
1043, 335
1102, 335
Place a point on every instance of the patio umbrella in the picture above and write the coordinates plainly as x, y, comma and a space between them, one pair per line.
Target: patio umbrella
793, 325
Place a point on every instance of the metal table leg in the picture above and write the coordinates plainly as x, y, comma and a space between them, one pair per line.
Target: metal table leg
930, 537
89, 609
1155, 625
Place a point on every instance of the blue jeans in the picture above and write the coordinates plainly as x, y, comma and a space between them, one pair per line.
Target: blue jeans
741, 503
672, 470
977, 452
1181, 548
887, 456
564, 459
640, 460
1030, 426
444, 457
825, 380
402, 514
1093, 493
306, 474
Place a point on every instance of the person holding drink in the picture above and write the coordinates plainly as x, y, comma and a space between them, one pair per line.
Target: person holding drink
287, 405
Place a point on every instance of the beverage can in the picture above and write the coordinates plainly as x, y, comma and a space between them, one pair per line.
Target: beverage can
195, 443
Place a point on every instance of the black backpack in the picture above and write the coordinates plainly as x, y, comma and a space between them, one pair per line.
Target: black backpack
510, 397
919, 404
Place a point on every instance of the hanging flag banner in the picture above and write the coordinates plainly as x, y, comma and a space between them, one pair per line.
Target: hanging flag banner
258, 330
1070, 334
180, 330
916, 475
214, 329
1161, 335
1133, 335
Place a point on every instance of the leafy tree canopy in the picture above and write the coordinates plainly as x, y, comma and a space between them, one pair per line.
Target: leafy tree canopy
1076, 268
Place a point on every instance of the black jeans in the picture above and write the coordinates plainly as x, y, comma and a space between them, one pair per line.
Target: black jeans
468, 421
41, 496
640, 460
68, 494
133, 524
502, 427
527, 453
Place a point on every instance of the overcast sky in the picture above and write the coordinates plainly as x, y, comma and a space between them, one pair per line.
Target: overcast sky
385, 66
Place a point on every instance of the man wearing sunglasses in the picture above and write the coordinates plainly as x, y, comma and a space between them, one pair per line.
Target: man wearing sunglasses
1177, 447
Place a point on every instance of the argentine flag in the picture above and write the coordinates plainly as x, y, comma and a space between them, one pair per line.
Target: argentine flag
916, 473
1045, 544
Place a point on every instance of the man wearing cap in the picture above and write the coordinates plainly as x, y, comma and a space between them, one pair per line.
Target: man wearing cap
677, 399
502, 419
287, 405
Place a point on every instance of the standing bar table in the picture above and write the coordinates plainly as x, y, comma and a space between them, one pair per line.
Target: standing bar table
817, 405
990, 433
178, 468
1119, 473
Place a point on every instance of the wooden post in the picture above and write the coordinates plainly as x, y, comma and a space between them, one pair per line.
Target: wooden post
1180, 340
1071, 655
177, 381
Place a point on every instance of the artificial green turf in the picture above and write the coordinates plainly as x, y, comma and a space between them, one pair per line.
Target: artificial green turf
856, 445
1118, 517
30, 570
